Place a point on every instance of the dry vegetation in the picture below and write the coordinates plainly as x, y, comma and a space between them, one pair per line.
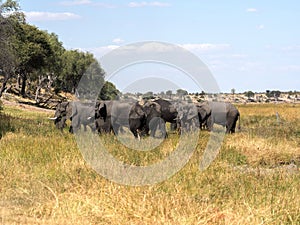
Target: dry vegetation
254, 180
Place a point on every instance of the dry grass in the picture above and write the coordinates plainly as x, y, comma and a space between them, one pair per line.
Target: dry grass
44, 179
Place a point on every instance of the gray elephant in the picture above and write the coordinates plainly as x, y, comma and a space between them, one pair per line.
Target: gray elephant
204, 112
154, 120
63, 112
187, 117
103, 116
78, 113
137, 119
83, 113
114, 115
168, 112
224, 114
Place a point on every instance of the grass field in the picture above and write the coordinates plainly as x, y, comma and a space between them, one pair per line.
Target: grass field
255, 179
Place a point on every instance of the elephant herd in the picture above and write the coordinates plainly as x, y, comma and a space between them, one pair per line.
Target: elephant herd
147, 118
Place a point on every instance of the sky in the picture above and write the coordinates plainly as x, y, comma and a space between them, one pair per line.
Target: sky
246, 45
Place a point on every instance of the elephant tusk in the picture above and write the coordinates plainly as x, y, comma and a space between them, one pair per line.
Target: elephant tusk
54, 118
89, 118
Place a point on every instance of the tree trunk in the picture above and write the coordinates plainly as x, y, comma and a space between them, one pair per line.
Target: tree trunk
3, 87
23, 88
39, 87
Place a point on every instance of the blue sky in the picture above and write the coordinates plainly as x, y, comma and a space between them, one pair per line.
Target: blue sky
247, 45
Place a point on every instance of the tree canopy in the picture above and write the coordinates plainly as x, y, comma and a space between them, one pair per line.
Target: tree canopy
33, 56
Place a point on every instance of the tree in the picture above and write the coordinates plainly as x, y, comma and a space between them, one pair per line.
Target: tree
275, 94
233, 91
75, 65
48, 74
109, 91
148, 95
249, 94
181, 92
33, 52
169, 93
10, 16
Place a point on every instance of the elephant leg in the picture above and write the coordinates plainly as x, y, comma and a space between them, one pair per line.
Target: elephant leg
229, 126
116, 129
232, 130
134, 131
210, 124
162, 125
71, 130
133, 127
173, 126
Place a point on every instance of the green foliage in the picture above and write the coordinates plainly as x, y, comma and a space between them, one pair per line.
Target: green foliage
39, 57
109, 91
75, 65
8, 18
33, 48
169, 93
249, 94
148, 95
11, 10
181, 92
232, 91
274, 93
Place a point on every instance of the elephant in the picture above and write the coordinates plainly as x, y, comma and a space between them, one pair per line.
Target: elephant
78, 113
153, 119
63, 112
137, 119
113, 115
204, 112
83, 113
187, 117
103, 116
168, 112
225, 114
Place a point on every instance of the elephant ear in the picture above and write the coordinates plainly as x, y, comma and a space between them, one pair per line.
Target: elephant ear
135, 112
73, 109
192, 113
201, 112
156, 106
172, 109
102, 110
69, 109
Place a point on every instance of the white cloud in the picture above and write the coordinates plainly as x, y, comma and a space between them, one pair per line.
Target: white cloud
76, 2
145, 4
261, 27
101, 51
46, 16
206, 47
117, 40
252, 10
290, 68
291, 48
87, 2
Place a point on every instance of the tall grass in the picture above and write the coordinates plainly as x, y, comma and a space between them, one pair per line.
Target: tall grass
45, 180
